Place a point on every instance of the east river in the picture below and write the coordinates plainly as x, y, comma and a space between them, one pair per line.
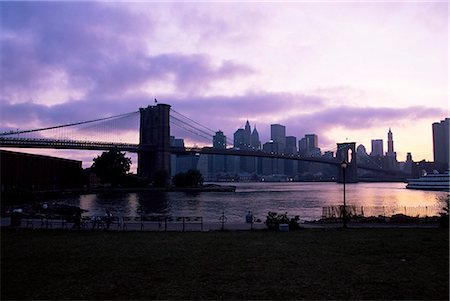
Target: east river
303, 199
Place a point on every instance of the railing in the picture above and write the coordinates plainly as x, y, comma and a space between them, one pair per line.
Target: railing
380, 211
137, 223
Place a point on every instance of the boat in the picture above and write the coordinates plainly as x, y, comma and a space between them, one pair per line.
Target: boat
431, 181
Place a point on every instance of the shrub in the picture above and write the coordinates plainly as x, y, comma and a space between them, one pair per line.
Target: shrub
192, 178
274, 220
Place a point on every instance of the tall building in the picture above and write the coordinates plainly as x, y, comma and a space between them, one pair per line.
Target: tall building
391, 156
239, 138
441, 141
255, 143
377, 147
309, 145
219, 140
390, 142
247, 134
302, 147
278, 135
291, 145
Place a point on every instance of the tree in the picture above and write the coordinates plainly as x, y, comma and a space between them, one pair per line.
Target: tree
192, 178
111, 166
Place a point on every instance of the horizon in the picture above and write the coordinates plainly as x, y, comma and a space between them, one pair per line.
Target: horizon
342, 71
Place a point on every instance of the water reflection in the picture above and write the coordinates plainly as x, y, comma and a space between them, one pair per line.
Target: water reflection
303, 199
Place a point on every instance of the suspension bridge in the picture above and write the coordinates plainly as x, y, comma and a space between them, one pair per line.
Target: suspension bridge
147, 133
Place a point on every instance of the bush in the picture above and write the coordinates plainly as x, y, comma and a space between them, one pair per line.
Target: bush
274, 220
192, 178
443, 219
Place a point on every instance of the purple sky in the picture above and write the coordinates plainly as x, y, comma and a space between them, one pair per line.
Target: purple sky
345, 71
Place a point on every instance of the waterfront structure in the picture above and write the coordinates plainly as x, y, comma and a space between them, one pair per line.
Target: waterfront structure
21, 172
441, 141
377, 148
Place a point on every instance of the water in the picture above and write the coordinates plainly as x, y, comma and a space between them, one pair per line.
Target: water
303, 199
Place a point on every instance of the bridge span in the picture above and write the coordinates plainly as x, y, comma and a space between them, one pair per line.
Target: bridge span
154, 147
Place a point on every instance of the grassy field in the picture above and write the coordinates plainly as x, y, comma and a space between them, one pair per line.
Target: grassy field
309, 264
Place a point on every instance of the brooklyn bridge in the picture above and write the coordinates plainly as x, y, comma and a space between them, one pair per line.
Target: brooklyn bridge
154, 148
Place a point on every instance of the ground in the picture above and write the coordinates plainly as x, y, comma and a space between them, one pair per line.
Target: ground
308, 264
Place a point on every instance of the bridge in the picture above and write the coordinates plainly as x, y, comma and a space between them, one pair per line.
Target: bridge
154, 147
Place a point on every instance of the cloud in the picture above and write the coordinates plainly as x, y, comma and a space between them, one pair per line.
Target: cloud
88, 49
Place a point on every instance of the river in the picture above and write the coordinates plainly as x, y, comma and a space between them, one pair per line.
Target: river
303, 199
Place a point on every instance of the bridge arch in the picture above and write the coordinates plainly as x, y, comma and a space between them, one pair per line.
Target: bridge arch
347, 152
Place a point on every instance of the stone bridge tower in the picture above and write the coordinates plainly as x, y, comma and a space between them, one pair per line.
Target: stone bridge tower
154, 141
347, 152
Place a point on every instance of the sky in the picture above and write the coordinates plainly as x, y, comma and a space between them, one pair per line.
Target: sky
346, 71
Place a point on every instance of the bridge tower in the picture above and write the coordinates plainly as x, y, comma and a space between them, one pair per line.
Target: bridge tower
154, 141
347, 151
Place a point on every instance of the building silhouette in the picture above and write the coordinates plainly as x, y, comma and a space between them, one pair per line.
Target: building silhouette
391, 155
278, 135
377, 148
255, 143
441, 141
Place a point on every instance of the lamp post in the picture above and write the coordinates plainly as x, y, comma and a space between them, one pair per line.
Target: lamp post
344, 165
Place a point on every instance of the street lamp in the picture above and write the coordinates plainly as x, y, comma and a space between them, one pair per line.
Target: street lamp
344, 165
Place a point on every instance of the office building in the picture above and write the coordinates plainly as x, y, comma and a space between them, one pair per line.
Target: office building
377, 147
278, 135
239, 139
220, 140
291, 145
255, 143
441, 141
391, 155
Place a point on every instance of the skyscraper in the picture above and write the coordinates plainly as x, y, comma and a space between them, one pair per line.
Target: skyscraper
219, 140
255, 143
441, 141
391, 155
291, 145
377, 147
247, 134
390, 142
239, 138
278, 135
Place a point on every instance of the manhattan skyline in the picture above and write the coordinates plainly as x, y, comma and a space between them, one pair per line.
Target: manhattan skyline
344, 71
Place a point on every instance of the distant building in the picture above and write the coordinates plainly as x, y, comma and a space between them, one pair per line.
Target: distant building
177, 142
291, 145
255, 143
220, 140
21, 172
377, 147
247, 134
441, 141
239, 139
278, 135
309, 146
391, 155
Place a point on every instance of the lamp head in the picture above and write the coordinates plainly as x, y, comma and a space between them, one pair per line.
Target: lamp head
344, 164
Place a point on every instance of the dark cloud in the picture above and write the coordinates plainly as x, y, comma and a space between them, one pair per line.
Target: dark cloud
100, 48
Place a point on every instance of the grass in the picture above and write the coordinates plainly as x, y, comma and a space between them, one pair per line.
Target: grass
309, 264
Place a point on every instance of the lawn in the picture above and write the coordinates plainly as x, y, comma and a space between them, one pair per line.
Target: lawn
308, 264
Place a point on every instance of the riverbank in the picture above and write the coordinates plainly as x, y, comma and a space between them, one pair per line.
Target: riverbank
310, 264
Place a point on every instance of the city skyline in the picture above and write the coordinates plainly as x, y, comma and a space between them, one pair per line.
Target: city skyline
304, 65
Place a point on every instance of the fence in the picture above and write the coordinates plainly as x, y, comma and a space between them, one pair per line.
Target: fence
152, 223
377, 211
